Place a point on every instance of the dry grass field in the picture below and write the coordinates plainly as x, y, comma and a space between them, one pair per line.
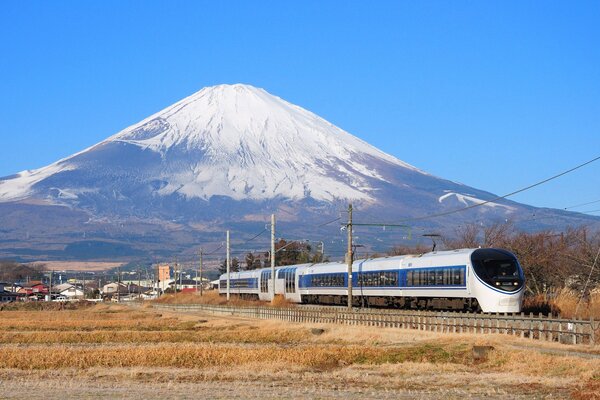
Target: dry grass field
126, 352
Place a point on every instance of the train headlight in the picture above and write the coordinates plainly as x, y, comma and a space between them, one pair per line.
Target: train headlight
497, 283
516, 283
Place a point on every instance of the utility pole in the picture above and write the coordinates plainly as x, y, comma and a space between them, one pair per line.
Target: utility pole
228, 267
118, 284
50, 286
200, 273
180, 278
273, 255
349, 256
176, 271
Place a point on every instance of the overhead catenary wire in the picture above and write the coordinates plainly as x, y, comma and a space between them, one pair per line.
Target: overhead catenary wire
589, 211
329, 222
255, 236
215, 250
582, 204
443, 214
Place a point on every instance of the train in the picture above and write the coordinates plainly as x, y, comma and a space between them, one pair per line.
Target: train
485, 280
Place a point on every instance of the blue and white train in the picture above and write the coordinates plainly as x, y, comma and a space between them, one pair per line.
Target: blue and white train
488, 280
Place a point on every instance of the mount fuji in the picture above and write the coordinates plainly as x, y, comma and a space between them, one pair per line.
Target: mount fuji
226, 157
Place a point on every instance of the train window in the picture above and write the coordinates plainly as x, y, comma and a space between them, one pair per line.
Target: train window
321, 280
375, 279
290, 280
394, 278
456, 276
439, 277
264, 281
430, 278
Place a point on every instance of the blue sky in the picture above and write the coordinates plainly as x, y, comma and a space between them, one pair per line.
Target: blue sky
496, 95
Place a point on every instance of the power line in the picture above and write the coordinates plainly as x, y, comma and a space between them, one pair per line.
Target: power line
582, 204
590, 211
255, 236
502, 197
215, 250
329, 222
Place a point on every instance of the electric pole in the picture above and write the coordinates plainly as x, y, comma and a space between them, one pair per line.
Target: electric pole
273, 255
176, 271
349, 256
180, 279
119, 284
200, 273
50, 286
228, 266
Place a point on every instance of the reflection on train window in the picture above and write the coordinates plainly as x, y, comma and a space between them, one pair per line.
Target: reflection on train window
378, 278
243, 283
328, 280
451, 276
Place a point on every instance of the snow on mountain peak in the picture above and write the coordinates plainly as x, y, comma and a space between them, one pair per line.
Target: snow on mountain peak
256, 145
242, 142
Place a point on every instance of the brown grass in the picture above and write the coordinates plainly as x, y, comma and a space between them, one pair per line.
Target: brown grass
213, 297
565, 303
45, 306
205, 355
116, 344
208, 297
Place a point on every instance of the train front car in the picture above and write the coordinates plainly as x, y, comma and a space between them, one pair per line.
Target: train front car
497, 280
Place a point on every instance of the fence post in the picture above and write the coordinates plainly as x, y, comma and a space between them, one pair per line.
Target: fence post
592, 333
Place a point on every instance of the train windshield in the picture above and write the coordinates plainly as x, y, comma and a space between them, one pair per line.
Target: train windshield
498, 268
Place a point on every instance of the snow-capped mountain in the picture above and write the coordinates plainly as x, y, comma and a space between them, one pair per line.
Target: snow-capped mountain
228, 154
229, 140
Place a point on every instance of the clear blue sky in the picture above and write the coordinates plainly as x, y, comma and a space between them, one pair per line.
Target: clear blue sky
496, 95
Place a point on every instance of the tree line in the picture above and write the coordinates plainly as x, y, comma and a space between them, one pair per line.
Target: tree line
11, 271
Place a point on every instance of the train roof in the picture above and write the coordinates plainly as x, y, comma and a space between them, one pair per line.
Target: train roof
422, 255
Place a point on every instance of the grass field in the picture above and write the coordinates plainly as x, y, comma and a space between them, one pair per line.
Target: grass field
125, 352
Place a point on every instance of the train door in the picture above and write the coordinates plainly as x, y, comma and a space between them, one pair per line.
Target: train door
266, 285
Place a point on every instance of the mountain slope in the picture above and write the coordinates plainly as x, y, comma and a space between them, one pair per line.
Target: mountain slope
227, 155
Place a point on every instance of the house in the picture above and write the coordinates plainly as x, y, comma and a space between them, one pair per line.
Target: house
72, 293
34, 291
61, 287
8, 297
111, 288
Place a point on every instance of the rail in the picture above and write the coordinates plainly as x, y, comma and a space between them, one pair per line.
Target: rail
534, 327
